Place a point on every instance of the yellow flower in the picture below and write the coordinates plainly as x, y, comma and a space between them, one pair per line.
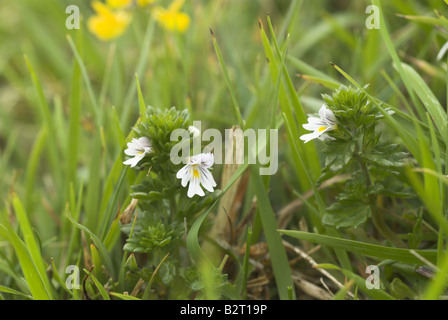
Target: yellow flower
142, 3
118, 4
108, 24
171, 18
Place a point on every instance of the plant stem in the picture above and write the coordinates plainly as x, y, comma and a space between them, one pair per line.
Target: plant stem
377, 219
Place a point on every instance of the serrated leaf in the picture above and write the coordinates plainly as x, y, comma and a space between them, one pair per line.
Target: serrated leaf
346, 214
339, 154
400, 290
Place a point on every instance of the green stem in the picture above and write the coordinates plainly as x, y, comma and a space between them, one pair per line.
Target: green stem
377, 218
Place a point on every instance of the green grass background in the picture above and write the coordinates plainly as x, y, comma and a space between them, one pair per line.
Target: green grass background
68, 102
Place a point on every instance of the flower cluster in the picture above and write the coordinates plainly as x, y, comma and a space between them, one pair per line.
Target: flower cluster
112, 17
195, 173
166, 195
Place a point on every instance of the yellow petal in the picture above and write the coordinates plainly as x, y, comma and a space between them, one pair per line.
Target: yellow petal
176, 5
143, 3
119, 4
174, 21
106, 24
101, 9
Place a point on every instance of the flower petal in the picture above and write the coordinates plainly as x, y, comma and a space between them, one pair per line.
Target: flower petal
313, 126
144, 142
327, 115
182, 172
133, 161
206, 179
195, 188
310, 136
207, 159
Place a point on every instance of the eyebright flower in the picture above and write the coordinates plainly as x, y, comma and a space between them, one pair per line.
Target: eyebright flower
171, 18
326, 122
196, 173
138, 149
108, 24
194, 131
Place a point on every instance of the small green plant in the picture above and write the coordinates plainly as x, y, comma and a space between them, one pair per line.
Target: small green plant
354, 145
164, 212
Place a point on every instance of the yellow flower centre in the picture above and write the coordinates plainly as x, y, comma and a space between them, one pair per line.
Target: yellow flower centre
321, 129
195, 173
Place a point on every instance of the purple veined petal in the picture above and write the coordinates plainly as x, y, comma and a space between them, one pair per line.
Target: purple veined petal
327, 115
195, 159
187, 176
182, 172
207, 180
195, 188
207, 159
322, 111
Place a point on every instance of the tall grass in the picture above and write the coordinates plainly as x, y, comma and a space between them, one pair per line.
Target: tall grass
70, 103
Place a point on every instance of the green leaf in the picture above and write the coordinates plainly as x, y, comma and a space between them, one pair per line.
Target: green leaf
416, 237
32, 244
29, 270
339, 153
279, 259
367, 249
100, 287
222, 63
429, 100
400, 290
346, 214
12, 291
99, 244
123, 296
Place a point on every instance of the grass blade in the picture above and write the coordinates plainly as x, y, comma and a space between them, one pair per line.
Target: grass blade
279, 259
101, 247
227, 81
359, 281
371, 250
31, 244
99, 286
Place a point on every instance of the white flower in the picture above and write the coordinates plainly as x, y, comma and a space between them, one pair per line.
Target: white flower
138, 149
194, 131
196, 172
326, 122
